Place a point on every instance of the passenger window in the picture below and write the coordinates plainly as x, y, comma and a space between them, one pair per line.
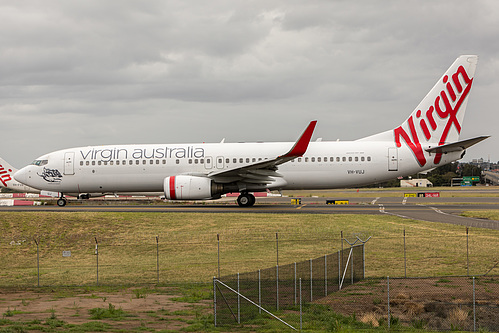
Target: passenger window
81, 162
241, 160
350, 159
200, 161
318, 159
151, 161
164, 161
331, 159
130, 162
253, 159
356, 159
144, 161
369, 158
306, 159
111, 163
227, 160
362, 159
234, 160
337, 159
87, 163
137, 162
190, 161
259, 158
99, 163
177, 161
344, 159
299, 159
313, 159
124, 162
157, 161
207, 161
105, 162
117, 162
247, 160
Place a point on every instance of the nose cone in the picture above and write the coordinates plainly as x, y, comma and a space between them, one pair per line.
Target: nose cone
22, 175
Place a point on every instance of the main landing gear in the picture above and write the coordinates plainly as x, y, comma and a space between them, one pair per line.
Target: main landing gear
246, 199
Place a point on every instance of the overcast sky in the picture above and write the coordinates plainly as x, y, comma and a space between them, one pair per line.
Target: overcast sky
78, 73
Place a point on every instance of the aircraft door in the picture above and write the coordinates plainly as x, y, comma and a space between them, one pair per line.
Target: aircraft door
69, 168
393, 160
220, 162
208, 162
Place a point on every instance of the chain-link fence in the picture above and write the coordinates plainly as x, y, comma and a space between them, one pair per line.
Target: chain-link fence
287, 286
443, 304
436, 303
72, 259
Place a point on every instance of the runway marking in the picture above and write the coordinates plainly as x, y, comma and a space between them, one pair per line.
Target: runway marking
381, 208
374, 201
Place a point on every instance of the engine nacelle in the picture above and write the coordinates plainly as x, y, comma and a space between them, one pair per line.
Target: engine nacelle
191, 188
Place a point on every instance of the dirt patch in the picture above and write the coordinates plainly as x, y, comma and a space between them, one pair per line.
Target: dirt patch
136, 308
431, 303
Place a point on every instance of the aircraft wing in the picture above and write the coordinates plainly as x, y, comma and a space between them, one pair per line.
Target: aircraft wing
456, 146
262, 172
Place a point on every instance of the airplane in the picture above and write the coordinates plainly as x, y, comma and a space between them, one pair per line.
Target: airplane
7, 180
428, 138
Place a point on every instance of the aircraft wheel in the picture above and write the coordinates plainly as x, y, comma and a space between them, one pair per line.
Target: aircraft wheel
246, 200
62, 202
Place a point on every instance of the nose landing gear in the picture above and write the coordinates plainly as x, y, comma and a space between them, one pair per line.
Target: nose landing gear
62, 201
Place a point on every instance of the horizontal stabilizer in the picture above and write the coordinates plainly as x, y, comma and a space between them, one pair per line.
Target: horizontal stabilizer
456, 146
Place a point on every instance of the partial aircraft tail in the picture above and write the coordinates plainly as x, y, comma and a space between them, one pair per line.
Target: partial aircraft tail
438, 119
6, 173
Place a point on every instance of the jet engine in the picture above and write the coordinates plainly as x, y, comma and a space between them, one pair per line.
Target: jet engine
191, 188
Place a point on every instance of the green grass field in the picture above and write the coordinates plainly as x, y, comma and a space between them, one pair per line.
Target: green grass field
188, 245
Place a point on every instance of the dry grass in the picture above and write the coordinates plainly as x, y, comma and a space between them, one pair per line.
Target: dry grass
188, 245
482, 214
370, 318
457, 316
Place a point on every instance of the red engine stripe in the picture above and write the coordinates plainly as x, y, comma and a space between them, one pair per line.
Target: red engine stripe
172, 188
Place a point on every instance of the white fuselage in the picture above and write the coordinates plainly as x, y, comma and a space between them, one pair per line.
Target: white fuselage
142, 168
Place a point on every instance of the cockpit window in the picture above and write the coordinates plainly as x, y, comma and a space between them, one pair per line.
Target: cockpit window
39, 162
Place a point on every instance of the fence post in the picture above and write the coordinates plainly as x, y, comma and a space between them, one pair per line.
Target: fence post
341, 262
405, 258
301, 313
388, 288
37, 261
339, 270
295, 283
215, 300
259, 292
351, 266
97, 256
277, 271
311, 283
474, 306
238, 301
157, 258
363, 260
467, 254
325, 275
218, 242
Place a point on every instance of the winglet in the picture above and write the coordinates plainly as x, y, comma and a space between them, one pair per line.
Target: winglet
301, 145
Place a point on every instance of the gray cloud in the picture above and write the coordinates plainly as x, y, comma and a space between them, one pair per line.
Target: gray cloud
90, 72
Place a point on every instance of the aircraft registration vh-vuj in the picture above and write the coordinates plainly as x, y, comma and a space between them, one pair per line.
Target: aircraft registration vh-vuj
428, 138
